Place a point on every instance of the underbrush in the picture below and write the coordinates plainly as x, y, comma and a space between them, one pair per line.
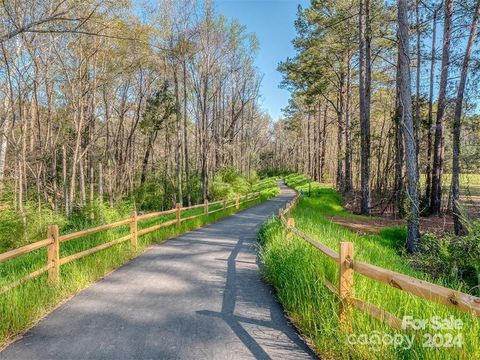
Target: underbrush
297, 271
25, 304
453, 258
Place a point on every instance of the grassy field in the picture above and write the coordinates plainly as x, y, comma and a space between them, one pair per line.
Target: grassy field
469, 184
296, 270
25, 304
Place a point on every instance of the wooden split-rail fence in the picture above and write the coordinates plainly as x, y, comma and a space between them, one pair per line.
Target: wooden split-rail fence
55, 239
348, 265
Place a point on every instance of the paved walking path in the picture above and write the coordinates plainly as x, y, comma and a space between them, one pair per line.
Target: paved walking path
197, 296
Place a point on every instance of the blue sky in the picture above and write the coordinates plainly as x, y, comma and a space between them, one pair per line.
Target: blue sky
272, 22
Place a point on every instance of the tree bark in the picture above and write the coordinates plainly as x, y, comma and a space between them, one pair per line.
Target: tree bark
457, 218
428, 171
364, 98
438, 153
413, 232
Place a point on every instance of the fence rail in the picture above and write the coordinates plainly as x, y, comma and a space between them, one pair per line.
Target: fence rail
347, 266
54, 239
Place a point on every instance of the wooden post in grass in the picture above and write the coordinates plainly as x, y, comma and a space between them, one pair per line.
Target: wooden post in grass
345, 288
206, 207
134, 230
290, 225
179, 213
53, 255
237, 202
224, 203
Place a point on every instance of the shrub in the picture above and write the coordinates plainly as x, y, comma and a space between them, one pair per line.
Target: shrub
454, 258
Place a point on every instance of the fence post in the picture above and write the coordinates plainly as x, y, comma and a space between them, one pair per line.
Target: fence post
224, 203
290, 225
237, 202
345, 288
179, 209
206, 207
134, 230
53, 255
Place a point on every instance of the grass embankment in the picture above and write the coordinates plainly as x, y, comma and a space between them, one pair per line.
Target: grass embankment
25, 304
296, 270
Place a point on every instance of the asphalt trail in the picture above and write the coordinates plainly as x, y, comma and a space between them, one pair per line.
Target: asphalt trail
197, 296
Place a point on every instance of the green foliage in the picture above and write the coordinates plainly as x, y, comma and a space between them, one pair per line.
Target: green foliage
453, 258
10, 223
158, 110
96, 213
17, 230
297, 270
149, 196
227, 183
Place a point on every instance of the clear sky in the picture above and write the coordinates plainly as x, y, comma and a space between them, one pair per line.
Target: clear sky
272, 22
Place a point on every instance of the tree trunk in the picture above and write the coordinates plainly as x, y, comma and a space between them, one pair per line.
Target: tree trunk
428, 171
438, 153
348, 132
185, 133
364, 98
178, 148
324, 144
399, 151
417, 78
413, 232
65, 181
457, 219
100, 182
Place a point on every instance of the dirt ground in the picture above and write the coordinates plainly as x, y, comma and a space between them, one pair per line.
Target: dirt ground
384, 216
435, 224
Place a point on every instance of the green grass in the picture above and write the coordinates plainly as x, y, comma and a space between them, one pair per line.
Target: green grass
297, 270
469, 184
24, 305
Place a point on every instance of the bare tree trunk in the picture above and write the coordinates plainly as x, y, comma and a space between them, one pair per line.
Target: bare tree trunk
399, 150
417, 78
348, 132
457, 219
309, 163
438, 154
413, 232
100, 182
324, 144
185, 133
65, 183
428, 181
3, 151
364, 94
81, 182
178, 148
340, 173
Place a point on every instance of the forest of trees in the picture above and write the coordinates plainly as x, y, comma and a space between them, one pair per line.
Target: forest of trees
384, 104
100, 98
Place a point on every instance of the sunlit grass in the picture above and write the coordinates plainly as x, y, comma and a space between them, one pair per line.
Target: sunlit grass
469, 183
25, 304
297, 270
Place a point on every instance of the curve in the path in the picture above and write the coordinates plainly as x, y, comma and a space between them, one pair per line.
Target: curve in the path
197, 296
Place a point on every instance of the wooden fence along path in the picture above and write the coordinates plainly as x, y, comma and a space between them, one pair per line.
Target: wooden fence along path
347, 266
54, 238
